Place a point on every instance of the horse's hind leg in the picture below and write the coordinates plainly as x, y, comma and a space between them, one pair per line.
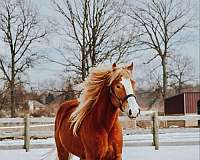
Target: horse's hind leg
62, 153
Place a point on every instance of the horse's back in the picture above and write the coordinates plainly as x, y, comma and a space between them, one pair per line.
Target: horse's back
64, 111
70, 104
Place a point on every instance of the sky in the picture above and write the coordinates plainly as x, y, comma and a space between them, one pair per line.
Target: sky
44, 72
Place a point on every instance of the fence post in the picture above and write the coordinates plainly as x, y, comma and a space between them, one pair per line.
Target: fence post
27, 132
155, 131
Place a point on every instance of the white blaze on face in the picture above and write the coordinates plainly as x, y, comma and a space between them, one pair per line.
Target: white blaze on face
133, 107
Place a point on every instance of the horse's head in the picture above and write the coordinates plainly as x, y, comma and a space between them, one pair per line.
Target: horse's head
122, 90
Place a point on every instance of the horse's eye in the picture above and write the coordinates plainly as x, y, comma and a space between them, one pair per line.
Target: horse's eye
118, 86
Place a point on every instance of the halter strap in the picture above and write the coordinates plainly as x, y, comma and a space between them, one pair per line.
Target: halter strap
119, 100
128, 96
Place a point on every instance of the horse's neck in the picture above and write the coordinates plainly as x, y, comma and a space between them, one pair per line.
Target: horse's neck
104, 113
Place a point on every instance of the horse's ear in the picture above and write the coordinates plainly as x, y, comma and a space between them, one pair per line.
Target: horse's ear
130, 67
114, 66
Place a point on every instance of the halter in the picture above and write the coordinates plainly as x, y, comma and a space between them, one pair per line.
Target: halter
119, 100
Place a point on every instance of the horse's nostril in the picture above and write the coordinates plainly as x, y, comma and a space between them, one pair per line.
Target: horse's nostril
139, 111
130, 112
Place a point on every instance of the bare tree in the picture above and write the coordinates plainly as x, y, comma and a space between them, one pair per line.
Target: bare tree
180, 72
94, 31
19, 30
161, 21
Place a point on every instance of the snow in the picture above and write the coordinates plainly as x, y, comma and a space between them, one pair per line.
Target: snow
129, 153
189, 152
169, 137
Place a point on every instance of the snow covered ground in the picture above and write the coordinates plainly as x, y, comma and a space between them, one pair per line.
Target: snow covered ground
168, 137
189, 152
129, 153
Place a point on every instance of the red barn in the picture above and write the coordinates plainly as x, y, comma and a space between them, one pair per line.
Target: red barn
184, 103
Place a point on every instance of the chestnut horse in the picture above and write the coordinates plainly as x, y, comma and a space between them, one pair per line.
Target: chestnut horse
90, 128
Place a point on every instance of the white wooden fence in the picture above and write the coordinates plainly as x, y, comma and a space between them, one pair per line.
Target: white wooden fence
28, 128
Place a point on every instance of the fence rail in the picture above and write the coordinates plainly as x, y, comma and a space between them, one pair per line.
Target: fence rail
43, 127
147, 117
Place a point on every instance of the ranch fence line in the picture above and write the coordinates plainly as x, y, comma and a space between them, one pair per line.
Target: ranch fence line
23, 127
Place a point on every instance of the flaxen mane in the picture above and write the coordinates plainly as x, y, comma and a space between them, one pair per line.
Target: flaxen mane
96, 80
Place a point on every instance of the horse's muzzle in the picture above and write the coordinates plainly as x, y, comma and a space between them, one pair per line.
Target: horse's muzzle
131, 115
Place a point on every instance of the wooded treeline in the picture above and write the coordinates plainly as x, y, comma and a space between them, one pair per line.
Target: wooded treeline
95, 32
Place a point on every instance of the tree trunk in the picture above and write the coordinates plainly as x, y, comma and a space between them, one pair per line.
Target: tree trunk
83, 48
83, 65
12, 99
179, 86
164, 68
94, 54
12, 86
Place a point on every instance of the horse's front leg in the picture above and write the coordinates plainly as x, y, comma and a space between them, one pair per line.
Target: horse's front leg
96, 146
118, 157
116, 141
